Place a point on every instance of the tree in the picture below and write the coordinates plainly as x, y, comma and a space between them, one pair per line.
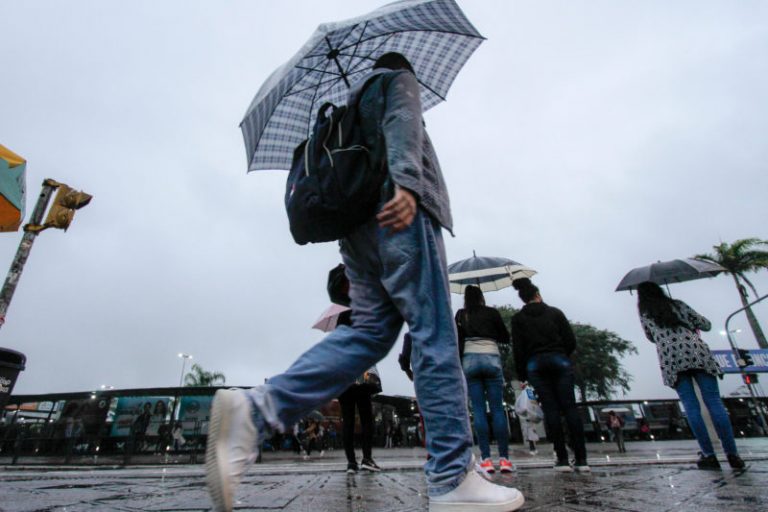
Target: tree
597, 361
197, 377
738, 258
507, 356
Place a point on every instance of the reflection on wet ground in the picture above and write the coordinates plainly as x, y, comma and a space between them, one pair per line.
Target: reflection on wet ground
640, 487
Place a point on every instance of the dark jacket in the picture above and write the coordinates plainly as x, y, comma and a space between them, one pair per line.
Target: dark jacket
390, 110
484, 322
537, 329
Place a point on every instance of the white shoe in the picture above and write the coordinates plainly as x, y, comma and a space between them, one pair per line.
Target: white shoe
232, 445
476, 494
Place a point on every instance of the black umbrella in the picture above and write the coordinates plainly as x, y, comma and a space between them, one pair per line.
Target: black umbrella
673, 271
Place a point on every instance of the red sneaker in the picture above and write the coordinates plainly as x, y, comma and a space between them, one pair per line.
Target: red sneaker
505, 466
487, 466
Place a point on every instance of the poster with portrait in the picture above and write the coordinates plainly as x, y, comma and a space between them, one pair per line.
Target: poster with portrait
144, 414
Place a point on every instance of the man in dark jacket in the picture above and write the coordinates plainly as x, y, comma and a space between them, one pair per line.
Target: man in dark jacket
543, 342
397, 271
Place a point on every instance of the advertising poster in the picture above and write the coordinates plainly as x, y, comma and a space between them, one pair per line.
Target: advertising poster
194, 411
144, 414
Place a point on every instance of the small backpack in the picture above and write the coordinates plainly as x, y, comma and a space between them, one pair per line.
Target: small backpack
336, 179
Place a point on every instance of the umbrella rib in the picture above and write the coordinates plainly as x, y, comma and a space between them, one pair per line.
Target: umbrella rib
313, 86
334, 56
312, 103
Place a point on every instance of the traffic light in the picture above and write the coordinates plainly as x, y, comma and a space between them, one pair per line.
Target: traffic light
64, 205
750, 378
744, 359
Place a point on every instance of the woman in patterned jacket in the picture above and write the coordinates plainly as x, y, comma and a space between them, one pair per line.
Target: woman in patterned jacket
684, 357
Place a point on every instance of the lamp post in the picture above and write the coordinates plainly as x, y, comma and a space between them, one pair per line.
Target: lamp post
175, 412
184, 358
729, 334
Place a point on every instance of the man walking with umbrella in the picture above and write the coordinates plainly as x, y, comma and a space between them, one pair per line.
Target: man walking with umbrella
397, 271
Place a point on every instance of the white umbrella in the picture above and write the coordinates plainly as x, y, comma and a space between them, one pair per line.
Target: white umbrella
487, 272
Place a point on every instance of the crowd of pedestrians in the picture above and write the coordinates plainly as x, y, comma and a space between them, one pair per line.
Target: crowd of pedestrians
395, 263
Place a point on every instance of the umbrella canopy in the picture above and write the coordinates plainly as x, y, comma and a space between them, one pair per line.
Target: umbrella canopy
618, 410
12, 189
330, 318
434, 35
487, 272
673, 271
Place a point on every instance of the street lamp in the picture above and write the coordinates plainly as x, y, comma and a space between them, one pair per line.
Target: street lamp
184, 358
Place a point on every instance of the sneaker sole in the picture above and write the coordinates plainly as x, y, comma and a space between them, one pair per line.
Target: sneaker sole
563, 469
479, 507
369, 468
216, 466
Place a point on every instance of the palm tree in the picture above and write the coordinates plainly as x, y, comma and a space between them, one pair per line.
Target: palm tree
738, 258
199, 378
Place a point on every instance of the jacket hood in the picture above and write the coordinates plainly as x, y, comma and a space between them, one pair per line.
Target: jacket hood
534, 309
357, 88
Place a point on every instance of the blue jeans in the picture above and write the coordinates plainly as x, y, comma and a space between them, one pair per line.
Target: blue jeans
394, 277
710, 393
486, 381
552, 377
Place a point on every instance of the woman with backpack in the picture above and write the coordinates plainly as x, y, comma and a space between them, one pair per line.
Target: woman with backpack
480, 331
674, 327
543, 342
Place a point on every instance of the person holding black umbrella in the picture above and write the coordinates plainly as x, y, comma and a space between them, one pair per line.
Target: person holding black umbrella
674, 327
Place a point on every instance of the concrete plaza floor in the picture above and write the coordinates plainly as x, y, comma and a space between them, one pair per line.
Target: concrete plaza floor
652, 476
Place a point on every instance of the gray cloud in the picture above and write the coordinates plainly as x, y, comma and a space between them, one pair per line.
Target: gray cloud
582, 139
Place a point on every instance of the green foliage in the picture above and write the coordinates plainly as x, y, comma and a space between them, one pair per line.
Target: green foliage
507, 356
197, 377
597, 360
739, 258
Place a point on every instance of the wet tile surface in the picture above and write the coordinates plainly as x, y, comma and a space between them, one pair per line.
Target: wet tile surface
641, 486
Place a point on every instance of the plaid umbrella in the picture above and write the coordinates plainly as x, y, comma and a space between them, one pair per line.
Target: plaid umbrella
487, 272
673, 271
434, 35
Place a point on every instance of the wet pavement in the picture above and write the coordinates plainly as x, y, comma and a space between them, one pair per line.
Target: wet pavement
656, 476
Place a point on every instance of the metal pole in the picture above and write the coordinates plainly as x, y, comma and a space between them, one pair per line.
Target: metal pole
25, 246
755, 401
183, 364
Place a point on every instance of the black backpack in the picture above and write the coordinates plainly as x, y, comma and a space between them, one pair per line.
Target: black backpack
336, 179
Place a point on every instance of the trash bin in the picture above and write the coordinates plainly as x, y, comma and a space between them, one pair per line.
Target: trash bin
11, 363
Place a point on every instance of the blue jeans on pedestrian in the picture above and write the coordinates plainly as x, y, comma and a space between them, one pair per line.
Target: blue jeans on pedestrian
551, 374
710, 393
394, 277
485, 381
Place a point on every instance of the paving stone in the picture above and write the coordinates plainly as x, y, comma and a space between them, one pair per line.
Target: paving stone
640, 484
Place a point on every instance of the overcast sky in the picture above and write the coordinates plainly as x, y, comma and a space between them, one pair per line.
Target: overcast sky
583, 138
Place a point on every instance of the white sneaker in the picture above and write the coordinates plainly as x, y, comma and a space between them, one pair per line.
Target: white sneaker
232, 445
476, 494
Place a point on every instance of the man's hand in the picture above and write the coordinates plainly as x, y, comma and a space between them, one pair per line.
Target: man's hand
398, 213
